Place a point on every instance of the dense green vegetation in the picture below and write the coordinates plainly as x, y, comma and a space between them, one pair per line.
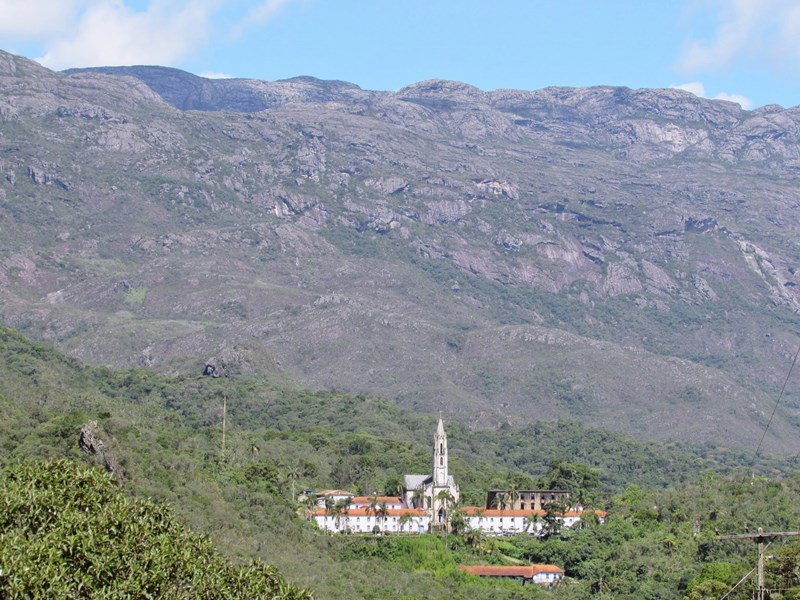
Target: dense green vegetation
163, 436
66, 531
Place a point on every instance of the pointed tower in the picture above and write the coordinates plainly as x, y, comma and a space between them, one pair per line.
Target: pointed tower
440, 456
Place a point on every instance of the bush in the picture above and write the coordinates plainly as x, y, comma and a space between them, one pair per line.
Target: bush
66, 531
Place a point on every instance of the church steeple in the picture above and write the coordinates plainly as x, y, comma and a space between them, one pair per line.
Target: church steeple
440, 456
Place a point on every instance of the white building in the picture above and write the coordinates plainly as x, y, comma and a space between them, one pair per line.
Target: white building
367, 520
493, 521
426, 501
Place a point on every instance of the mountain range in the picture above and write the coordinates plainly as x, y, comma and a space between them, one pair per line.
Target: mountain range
627, 258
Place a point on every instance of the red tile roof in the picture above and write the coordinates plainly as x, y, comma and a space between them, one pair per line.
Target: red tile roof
526, 571
363, 512
378, 499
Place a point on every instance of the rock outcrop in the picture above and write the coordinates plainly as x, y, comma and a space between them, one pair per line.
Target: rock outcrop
90, 442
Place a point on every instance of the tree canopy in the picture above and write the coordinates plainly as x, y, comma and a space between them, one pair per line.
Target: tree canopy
67, 531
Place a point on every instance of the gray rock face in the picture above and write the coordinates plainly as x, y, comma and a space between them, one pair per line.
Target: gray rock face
505, 256
89, 441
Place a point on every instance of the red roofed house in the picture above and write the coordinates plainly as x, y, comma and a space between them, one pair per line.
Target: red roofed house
545, 575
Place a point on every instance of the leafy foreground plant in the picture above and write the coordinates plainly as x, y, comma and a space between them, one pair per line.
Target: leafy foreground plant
66, 531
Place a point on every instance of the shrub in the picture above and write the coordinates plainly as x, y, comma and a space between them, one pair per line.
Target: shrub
66, 531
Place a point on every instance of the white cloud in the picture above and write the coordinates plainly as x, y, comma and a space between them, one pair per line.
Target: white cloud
695, 87
698, 89
109, 33
214, 75
761, 32
27, 19
742, 101
83, 33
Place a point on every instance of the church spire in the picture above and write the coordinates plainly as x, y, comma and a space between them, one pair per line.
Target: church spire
440, 456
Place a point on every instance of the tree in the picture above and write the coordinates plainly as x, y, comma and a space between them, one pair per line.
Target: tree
512, 493
578, 479
553, 515
309, 504
405, 518
67, 531
458, 522
500, 501
292, 476
417, 497
342, 510
381, 512
393, 485
531, 521
446, 500
329, 504
373, 509
336, 513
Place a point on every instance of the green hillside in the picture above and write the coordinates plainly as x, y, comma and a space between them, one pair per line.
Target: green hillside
162, 437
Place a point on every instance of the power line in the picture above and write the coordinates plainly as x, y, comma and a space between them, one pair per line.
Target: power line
775, 408
730, 591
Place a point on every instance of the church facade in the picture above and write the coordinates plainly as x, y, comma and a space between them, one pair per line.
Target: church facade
435, 493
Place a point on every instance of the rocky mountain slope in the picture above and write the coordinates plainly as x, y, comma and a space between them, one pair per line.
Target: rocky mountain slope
624, 257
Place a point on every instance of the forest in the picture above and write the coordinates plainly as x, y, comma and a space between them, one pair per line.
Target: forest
157, 464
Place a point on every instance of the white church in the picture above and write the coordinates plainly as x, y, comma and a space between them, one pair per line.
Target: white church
425, 503
432, 492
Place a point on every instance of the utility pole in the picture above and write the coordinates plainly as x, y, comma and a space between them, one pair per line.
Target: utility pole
761, 538
224, 415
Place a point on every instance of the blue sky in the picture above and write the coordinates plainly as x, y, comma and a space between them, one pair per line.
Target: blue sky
742, 50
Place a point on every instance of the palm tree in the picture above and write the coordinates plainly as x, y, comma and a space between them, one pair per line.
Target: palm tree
309, 503
500, 501
335, 513
417, 496
293, 475
458, 521
405, 518
553, 516
530, 522
445, 499
581, 499
479, 513
372, 509
329, 504
340, 508
381, 513
512, 492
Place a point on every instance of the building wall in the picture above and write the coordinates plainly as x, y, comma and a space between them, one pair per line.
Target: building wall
527, 499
